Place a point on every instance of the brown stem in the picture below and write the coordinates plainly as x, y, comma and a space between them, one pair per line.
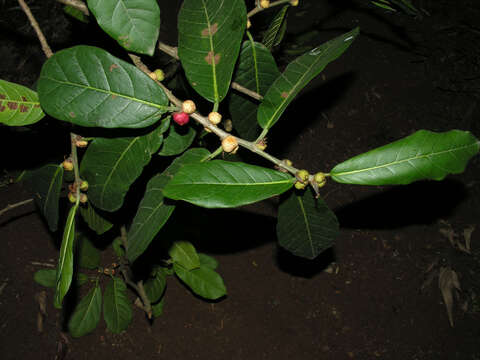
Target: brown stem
43, 41
77, 4
13, 206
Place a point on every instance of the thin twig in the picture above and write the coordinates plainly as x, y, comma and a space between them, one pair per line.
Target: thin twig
77, 4
173, 52
13, 206
43, 41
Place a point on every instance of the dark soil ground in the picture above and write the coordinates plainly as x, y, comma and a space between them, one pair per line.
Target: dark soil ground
402, 74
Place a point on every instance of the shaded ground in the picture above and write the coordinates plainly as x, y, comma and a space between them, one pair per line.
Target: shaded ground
401, 75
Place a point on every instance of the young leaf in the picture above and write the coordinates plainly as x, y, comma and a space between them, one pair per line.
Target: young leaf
175, 143
183, 253
153, 212
207, 261
86, 314
306, 226
46, 277
155, 286
65, 262
157, 309
88, 254
111, 165
209, 37
19, 105
87, 86
94, 221
297, 75
117, 310
275, 32
133, 23
223, 184
46, 184
256, 70
203, 281
422, 155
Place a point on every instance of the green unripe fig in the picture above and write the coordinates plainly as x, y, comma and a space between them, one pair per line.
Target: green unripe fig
303, 175
300, 186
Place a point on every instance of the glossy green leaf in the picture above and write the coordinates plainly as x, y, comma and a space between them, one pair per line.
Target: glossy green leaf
223, 184
207, 261
19, 105
133, 23
87, 86
153, 212
297, 75
88, 255
306, 226
177, 140
94, 221
203, 281
111, 165
65, 262
46, 184
422, 155
256, 71
209, 38
183, 253
86, 314
155, 285
157, 309
117, 310
46, 277
275, 32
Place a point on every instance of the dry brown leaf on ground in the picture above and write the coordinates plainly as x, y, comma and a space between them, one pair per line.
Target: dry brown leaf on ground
448, 282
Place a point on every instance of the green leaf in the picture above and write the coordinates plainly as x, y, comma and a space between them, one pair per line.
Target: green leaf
76, 13
256, 71
111, 165
153, 212
223, 184
207, 261
155, 285
86, 315
65, 262
306, 226
46, 184
183, 253
203, 281
87, 86
297, 75
117, 310
422, 155
175, 143
118, 247
157, 309
19, 105
95, 222
46, 277
209, 37
133, 23
275, 32
383, 6
88, 254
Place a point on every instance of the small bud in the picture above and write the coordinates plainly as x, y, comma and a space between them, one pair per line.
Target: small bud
261, 144
302, 176
83, 198
84, 185
299, 185
81, 143
265, 4
287, 162
249, 24
214, 117
294, 2
72, 197
228, 125
68, 164
320, 179
181, 118
188, 107
230, 144
158, 75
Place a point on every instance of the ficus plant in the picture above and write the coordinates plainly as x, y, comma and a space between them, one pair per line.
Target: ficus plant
99, 94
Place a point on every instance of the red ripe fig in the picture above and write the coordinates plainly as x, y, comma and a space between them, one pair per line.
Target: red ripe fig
181, 118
